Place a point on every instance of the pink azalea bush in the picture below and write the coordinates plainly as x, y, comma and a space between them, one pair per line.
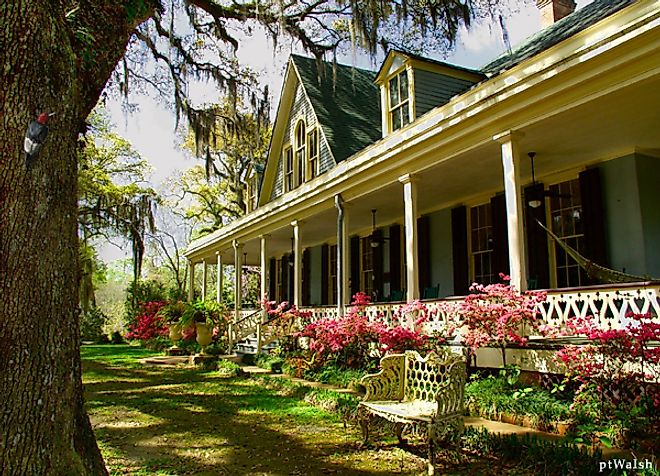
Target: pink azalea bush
618, 370
148, 324
496, 315
354, 341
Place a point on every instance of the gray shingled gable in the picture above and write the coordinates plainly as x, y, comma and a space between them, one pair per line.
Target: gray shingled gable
347, 105
559, 31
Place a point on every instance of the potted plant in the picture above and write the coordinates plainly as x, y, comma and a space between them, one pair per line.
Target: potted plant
173, 313
204, 316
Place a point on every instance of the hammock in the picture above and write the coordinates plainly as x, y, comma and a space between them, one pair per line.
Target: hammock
593, 270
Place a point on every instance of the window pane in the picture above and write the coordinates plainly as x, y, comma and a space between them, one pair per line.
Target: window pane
396, 119
405, 113
403, 85
394, 92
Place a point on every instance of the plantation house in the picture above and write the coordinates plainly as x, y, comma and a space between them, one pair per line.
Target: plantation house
416, 180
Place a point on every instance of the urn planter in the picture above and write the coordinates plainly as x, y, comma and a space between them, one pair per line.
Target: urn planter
204, 336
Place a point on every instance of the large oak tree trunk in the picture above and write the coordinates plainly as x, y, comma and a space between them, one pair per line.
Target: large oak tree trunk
43, 425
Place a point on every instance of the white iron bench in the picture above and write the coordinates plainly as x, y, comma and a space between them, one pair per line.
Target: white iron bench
415, 390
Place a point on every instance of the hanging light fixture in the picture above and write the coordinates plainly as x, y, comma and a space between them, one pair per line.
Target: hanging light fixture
291, 258
537, 196
373, 240
534, 200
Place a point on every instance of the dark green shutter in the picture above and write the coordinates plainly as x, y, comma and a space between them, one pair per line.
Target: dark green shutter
291, 276
500, 260
593, 222
325, 274
424, 252
378, 264
306, 278
355, 266
395, 258
272, 292
537, 239
285, 278
460, 250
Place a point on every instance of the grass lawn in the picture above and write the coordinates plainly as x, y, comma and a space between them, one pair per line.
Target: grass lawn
186, 421
182, 421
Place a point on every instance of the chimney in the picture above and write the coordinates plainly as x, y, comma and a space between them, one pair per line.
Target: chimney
554, 10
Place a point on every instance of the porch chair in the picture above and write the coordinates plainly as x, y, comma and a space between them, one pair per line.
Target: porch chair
431, 293
398, 295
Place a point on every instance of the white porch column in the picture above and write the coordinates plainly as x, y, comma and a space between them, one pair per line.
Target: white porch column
345, 262
191, 280
514, 207
265, 271
219, 278
297, 264
410, 227
265, 280
238, 277
205, 275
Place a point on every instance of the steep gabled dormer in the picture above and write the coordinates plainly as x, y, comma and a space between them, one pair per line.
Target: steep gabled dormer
326, 114
410, 86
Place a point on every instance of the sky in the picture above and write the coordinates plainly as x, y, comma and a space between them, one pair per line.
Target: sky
151, 128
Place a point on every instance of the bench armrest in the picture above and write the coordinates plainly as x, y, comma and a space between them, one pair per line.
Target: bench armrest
449, 396
388, 383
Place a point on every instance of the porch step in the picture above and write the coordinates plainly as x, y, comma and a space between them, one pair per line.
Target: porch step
249, 346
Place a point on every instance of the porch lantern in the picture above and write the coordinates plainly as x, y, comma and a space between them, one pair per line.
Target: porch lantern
375, 239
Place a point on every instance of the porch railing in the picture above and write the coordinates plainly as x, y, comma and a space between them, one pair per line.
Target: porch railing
609, 305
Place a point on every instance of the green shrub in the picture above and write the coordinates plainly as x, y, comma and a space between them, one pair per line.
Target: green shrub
116, 338
91, 325
492, 396
158, 344
537, 455
269, 362
330, 374
228, 368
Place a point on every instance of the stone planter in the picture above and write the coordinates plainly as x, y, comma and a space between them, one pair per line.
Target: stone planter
176, 334
204, 336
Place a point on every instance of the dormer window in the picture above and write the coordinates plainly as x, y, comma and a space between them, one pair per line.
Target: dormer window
399, 100
252, 192
301, 154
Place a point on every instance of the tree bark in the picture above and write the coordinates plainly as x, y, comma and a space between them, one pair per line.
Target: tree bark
45, 67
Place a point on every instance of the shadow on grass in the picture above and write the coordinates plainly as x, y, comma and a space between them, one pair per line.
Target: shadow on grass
187, 421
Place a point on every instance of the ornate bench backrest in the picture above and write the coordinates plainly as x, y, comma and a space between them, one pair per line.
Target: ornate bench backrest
425, 377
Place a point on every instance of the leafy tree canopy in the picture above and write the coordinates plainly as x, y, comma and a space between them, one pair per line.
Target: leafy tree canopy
114, 199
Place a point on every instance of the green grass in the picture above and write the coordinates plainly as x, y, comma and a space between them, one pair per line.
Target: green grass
176, 421
189, 421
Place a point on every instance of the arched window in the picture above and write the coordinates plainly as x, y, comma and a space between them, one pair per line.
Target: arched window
312, 153
301, 156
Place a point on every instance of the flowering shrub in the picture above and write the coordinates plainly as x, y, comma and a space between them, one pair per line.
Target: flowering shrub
496, 315
148, 323
353, 341
618, 370
284, 319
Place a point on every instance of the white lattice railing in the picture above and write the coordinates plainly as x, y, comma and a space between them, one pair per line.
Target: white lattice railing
608, 304
246, 323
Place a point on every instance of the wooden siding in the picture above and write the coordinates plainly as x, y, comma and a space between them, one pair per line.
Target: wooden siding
301, 108
433, 90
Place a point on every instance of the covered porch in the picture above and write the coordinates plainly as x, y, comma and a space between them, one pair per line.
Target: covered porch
450, 199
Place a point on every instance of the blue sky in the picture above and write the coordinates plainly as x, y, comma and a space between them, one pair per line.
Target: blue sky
151, 128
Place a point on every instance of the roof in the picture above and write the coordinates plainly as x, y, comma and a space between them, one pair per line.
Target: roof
424, 59
346, 102
555, 33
